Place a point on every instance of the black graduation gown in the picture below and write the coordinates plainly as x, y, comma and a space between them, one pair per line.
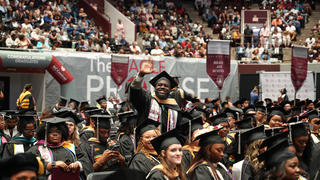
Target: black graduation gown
181, 96
186, 159
141, 100
157, 174
201, 172
85, 135
141, 163
94, 150
247, 170
314, 170
9, 149
63, 154
126, 147
4, 140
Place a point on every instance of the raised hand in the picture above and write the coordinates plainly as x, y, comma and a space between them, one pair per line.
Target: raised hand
146, 68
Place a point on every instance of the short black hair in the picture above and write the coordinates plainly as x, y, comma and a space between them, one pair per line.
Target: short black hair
27, 86
23, 123
61, 126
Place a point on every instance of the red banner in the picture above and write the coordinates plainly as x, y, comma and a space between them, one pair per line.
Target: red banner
60, 73
218, 61
299, 66
119, 69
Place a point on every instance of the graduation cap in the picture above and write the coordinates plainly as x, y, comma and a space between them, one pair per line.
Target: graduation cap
21, 162
217, 119
53, 120
261, 109
101, 100
258, 103
308, 102
76, 103
68, 115
276, 155
63, 101
211, 137
215, 100
275, 139
9, 114
276, 111
254, 134
193, 122
101, 121
163, 76
245, 123
231, 113
84, 103
310, 115
165, 140
249, 110
128, 117
274, 131
145, 126
236, 103
297, 129
93, 111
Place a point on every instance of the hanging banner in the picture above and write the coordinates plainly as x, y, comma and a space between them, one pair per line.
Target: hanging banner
59, 72
119, 68
218, 61
299, 66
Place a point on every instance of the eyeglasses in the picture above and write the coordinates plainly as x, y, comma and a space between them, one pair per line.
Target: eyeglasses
29, 130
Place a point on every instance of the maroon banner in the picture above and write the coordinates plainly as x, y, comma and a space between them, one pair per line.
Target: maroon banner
119, 69
299, 66
218, 61
60, 73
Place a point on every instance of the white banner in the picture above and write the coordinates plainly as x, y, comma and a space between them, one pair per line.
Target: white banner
272, 82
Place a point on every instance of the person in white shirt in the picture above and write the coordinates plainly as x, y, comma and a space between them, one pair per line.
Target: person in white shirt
292, 31
157, 51
286, 38
276, 38
310, 41
35, 35
27, 25
12, 40
275, 27
264, 35
134, 48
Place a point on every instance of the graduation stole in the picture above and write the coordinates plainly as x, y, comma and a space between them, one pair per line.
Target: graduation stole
191, 149
157, 105
161, 168
23, 139
3, 140
87, 128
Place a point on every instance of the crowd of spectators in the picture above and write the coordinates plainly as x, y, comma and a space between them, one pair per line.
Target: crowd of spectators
287, 20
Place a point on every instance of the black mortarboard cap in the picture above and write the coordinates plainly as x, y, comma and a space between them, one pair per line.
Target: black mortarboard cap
249, 110
308, 102
274, 131
245, 123
301, 103
310, 115
277, 111
230, 113
146, 125
93, 111
261, 108
294, 119
298, 129
217, 119
268, 99
192, 121
63, 101
101, 99
20, 162
236, 103
253, 134
276, 154
215, 100
75, 102
165, 140
84, 103
54, 120
128, 117
195, 100
275, 139
68, 115
258, 103
102, 121
211, 137
163, 75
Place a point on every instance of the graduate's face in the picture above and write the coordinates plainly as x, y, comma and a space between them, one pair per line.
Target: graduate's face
103, 104
275, 121
173, 154
225, 130
28, 131
231, 121
147, 137
216, 151
292, 169
103, 134
300, 143
71, 127
259, 116
11, 123
1, 123
162, 89
26, 175
54, 135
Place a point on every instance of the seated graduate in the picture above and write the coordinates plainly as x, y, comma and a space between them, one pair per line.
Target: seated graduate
126, 136
22, 143
4, 139
87, 132
169, 149
146, 156
248, 168
104, 153
21, 166
71, 120
53, 148
206, 164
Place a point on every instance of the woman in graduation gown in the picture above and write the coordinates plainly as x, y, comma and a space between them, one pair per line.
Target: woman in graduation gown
248, 168
146, 157
206, 164
22, 143
56, 152
169, 149
3, 137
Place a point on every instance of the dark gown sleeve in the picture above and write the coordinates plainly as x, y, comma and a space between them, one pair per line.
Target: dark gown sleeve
156, 175
315, 163
140, 100
247, 171
83, 158
126, 148
141, 163
186, 159
86, 149
8, 151
85, 135
200, 172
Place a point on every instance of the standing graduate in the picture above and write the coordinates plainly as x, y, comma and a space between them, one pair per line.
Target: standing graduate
104, 154
126, 137
53, 148
206, 164
169, 148
146, 156
74, 104
60, 105
88, 131
180, 95
102, 104
22, 143
248, 168
3, 137
159, 106
11, 121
